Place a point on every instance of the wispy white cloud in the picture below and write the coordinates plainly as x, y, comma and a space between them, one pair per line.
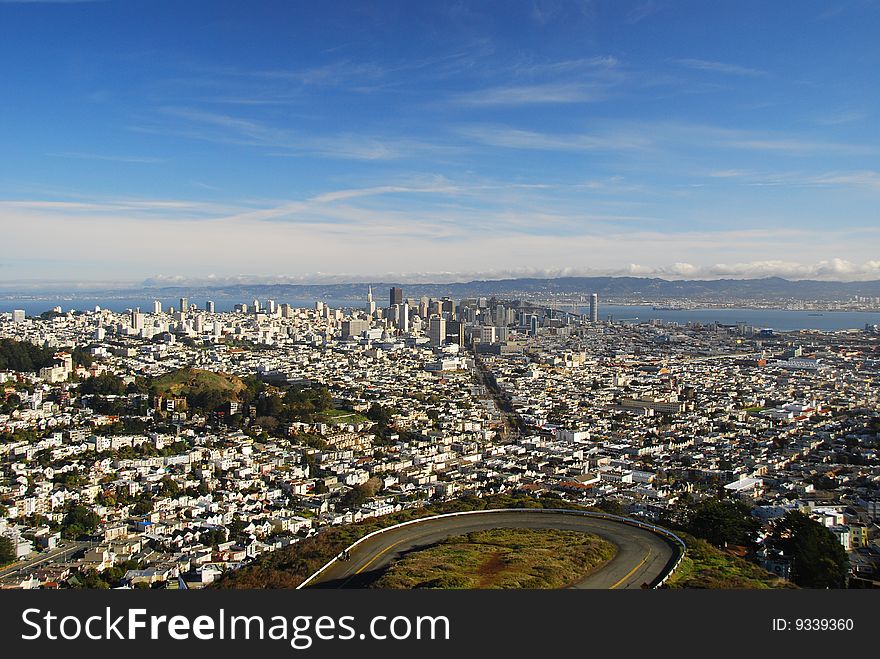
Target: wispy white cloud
222, 128
121, 207
866, 179
720, 67
599, 64
642, 11
842, 117
513, 138
670, 136
531, 95
728, 173
794, 145
79, 155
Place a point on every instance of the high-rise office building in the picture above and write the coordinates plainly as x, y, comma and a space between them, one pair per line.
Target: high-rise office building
354, 327
403, 323
209, 306
437, 331
256, 305
18, 316
455, 332
594, 308
488, 334
157, 306
137, 320
371, 304
396, 296
184, 305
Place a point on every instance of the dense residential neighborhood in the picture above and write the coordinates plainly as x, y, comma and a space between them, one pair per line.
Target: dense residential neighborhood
168, 448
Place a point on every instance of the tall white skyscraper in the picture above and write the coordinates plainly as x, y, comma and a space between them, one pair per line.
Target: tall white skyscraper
209, 306
184, 305
157, 306
594, 308
371, 304
18, 316
404, 317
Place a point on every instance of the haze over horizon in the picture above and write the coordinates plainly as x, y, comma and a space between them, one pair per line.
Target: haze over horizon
193, 142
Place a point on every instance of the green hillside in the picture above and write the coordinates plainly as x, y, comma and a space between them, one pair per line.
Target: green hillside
196, 384
501, 558
708, 567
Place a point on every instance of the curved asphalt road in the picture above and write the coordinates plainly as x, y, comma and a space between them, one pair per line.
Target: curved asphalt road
642, 556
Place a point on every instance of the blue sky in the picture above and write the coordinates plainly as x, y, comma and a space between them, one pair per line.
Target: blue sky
281, 140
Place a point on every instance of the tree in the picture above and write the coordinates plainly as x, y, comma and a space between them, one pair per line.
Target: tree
142, 507
820, 561
23, 356
354, 498
169, 487
79, 521
722, 522
7, 550
104, 384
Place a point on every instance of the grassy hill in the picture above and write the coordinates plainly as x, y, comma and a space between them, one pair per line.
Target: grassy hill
501, 558
194, 381
708, 567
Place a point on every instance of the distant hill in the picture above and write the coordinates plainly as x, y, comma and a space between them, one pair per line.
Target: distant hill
770, 288
646, 288
190, 382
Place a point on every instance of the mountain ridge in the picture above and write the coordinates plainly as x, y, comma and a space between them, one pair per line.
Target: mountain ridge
646, 288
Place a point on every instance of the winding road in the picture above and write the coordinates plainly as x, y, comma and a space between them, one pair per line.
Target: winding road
643, 556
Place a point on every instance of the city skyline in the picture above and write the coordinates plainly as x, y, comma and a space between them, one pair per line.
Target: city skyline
671, 139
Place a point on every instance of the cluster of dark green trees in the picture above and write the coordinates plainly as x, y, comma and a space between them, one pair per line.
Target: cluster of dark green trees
384, 420
360, 494
79, 522
819, 560
292, 404
109, 578
7, 551
24, 356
